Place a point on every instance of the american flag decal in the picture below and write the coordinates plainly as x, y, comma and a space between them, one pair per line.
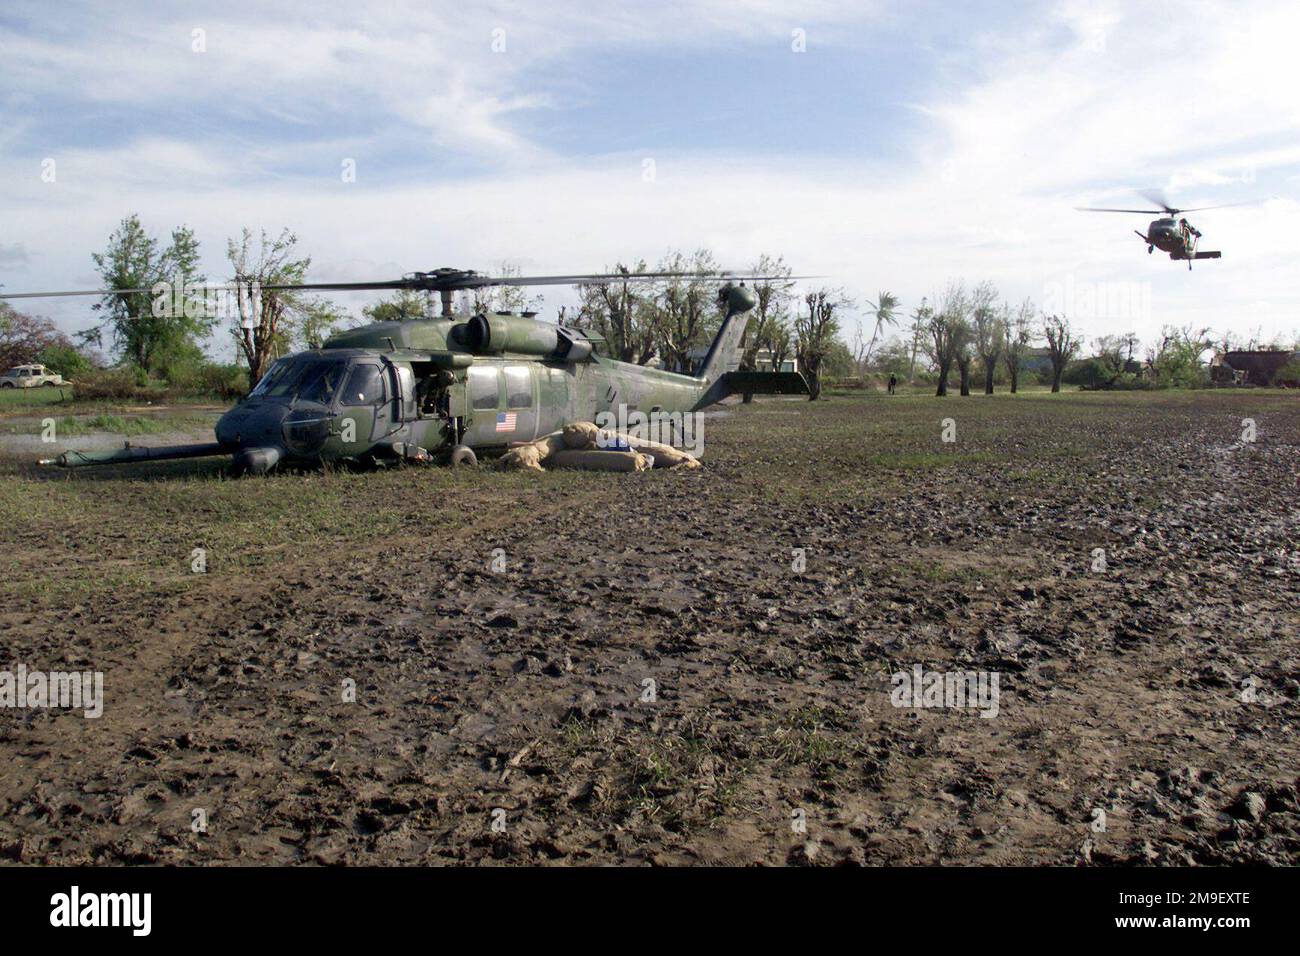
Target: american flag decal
505, 421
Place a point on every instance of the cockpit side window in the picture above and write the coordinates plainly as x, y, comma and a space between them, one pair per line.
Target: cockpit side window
365, 386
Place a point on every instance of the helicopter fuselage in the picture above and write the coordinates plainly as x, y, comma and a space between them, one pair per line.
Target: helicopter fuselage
347, 402
1174, 237
438, 388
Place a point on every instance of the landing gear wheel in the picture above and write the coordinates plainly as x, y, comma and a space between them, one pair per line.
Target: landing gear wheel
463, 456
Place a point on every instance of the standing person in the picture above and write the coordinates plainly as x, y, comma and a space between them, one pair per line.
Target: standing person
893, 382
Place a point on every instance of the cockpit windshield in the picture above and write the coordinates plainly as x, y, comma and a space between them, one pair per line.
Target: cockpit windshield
320, 381
305, 377
270, 377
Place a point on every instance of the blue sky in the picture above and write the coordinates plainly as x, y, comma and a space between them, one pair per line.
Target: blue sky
904, 146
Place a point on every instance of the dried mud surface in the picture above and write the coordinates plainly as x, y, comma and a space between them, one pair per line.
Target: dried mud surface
500, 631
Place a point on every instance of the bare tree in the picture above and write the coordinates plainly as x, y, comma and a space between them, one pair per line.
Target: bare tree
946, 332
1062, 344
768, 322
271, 321
1109, 359
500, 298
920, 330
815, 333
1017, 333
621, 314
781, 342
956, 309
965, 352
685, 306
987, 330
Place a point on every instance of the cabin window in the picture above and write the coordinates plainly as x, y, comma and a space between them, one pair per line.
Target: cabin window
483, 388
519, 388
365, 386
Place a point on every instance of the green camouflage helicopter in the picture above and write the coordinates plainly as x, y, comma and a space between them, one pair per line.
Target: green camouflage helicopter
444, 389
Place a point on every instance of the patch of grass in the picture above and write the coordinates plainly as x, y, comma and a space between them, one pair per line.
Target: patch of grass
35, 397
127, 425
679, 780
109, 422
936, 572
804, 739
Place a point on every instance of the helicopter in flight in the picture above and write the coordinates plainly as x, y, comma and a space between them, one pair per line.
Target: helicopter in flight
1171, 233
446, 388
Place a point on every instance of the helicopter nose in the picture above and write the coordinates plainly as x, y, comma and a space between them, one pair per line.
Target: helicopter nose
252, 425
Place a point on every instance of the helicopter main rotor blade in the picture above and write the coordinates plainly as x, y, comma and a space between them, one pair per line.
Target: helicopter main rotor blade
452, 280
1144, 212
227, 287
1227, 205
334, 286
1159, 198
610, 277
44, 295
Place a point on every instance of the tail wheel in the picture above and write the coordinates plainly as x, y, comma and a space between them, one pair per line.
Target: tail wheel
463, 456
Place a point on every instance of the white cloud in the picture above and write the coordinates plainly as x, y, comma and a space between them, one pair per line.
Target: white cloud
1075, 106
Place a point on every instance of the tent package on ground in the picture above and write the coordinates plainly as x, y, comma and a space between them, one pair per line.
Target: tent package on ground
584, 445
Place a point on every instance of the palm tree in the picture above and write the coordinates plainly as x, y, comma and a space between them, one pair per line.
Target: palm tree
886, 314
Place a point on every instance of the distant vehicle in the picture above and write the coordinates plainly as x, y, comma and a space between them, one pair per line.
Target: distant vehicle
31, 376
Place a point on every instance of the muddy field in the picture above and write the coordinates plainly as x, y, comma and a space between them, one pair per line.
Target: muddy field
681, 667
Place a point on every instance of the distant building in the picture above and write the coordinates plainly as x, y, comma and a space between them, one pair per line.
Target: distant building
763, 362
1036, 359
1257, 367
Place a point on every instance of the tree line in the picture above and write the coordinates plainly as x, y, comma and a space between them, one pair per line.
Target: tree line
968, 332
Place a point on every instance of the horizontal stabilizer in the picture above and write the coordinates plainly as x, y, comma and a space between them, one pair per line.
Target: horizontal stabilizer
754, 383
766, 383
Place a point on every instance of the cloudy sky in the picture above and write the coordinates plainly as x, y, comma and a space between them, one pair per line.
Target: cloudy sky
886, 145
